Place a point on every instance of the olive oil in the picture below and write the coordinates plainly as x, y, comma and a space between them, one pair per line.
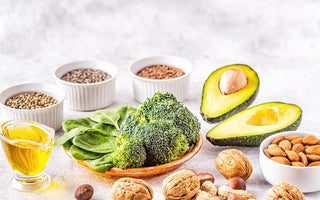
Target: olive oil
27, 147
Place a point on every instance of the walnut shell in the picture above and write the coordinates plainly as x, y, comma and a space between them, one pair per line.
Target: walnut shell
283, 190
182, 185
131, 188
233, 163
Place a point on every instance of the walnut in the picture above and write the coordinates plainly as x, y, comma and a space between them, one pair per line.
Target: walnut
130, 188
233, 163
283, 190
182, 185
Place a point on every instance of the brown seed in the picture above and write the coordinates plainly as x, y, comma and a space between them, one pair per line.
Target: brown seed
160, 72
278, 139
298, 148
236, 183
313, 164
313, 150
292, 155
86, 76
296, 141
297, 164
285, 145
303, 158
275, 150
266, 152
310, 140
281, 160
312, 158
203, 177
293, 137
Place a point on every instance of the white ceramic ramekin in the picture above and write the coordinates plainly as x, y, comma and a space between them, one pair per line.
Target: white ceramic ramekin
305, 178
88, 96
51, 116
144, 87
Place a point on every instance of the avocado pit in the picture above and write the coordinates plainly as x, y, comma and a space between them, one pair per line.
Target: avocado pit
232, 81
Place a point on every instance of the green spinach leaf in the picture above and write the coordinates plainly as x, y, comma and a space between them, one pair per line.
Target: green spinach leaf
69, 135
67, 144
101, 164
107, 129
81, 154
106, 117
124, 111
70, 124
94, 142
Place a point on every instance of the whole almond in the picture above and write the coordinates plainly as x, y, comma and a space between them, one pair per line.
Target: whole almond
266, 152
317, 163
310, 140
298, 148
278, 139
313, 150
296, 141
312, 158
276, 151
293, 137
303, 158
281, 160
285, 145
292, 155
297, 164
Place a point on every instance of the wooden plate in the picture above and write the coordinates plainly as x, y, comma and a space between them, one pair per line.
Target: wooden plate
146, 172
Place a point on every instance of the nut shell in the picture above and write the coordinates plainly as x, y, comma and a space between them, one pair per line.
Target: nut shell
233, 163
131, 188
182, 185
283, 190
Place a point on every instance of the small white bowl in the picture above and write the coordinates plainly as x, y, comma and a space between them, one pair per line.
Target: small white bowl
88, 96
51, 116
144, 88
305, 178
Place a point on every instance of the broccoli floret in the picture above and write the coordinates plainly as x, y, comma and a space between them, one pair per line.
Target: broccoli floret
163, 142
130, 152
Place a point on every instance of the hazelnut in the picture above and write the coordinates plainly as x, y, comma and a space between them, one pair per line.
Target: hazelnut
232, 81
233, 196
131, 188
182, 185
284, 190
205, 177
233, 163
236, 183
84, 192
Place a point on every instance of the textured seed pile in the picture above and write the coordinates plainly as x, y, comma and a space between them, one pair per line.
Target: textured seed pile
30, 100
160, 72
86, 76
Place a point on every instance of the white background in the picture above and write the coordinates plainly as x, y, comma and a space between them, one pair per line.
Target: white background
279, 39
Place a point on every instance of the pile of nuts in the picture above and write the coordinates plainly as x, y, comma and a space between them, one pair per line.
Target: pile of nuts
186, 185
295, 150
160, 72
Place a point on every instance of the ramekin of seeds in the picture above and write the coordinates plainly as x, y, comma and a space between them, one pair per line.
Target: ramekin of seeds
40, 102
160, 73
89, 85
292, 157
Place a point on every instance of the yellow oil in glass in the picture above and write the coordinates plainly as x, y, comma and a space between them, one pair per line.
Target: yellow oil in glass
27, 149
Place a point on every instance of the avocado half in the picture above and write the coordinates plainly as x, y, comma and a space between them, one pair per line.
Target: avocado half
215, 106
251, 126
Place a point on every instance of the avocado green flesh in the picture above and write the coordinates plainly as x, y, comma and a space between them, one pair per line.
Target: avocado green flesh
216, 106
251, 126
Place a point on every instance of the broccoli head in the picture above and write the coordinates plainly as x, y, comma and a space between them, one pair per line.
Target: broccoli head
129, 153
162, 141
164, 106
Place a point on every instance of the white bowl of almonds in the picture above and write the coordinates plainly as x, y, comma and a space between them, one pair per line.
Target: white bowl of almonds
40, 102
292, 157
89, 85
158, 74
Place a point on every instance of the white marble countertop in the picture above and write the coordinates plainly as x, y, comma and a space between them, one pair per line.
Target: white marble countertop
279, 39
